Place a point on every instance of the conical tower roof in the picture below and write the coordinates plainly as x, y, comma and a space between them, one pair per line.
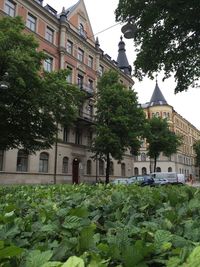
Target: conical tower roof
157, 98
122, 58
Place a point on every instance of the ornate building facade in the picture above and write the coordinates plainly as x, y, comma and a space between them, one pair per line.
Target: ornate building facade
67, 38
184, 160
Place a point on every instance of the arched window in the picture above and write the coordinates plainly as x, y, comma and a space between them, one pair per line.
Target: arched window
143, 157
136, 172
111, 168
44, 162
144, 171
22, 161
1, 159
123, 169
89, 167
101, 167
65, 165
170, 169
158, 169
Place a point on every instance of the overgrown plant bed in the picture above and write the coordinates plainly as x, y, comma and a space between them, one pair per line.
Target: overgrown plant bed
101, 225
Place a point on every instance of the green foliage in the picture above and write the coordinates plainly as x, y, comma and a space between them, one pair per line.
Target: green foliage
196, 147
119, 120
160, 139
167, 38
102, 226
34, 103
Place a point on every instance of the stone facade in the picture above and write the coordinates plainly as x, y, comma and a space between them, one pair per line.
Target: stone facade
69, 41
184, 160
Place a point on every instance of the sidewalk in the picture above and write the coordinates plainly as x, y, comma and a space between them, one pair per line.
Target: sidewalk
194, 184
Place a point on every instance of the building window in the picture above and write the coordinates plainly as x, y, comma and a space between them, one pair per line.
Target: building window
69, 47
123, 169
143, 157
10, 7
49, 34
157, 114
101, 70
44, 162
48, 64
111, 172
170, 169
90, 62
65, 134
89, 167
101, 167
89, 138
82, 32
136, 172
1, 159
31, 22
78, 137
69, 76
158, 169
65, 165
144, 171
22, 161
91, 84
80, 55
80, 81
90, 110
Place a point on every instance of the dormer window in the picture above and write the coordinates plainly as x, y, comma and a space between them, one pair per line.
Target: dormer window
82, 32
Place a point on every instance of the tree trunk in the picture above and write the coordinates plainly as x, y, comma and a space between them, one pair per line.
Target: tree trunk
155, 161
107, 168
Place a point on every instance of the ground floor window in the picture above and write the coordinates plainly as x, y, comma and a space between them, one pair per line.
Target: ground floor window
65, 165
89, 167
44, 161
136, 172
22, 161
123, 169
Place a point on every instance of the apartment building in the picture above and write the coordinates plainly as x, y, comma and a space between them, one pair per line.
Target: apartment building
184, 160
68, 40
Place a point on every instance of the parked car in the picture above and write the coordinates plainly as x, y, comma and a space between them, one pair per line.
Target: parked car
141, 180
167, 178
120, 181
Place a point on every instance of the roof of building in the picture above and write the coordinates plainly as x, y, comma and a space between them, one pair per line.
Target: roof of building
157, 98
122, 58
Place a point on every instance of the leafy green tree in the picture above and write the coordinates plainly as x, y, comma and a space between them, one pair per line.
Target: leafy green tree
167, 38
119, 120
34, 103
160, 139
196, 147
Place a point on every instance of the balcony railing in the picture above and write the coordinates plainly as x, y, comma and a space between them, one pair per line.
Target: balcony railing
87, 88
82, 33
86, 116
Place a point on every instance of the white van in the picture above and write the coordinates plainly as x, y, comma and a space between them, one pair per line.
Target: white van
181, 178
166, 177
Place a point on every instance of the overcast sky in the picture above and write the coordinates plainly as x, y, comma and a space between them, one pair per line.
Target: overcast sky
101, 15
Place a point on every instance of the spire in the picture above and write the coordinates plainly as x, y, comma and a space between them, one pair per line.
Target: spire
157, 98
97, 45
122, 59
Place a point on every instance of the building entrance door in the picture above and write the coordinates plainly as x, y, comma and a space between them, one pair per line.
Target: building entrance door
75, 171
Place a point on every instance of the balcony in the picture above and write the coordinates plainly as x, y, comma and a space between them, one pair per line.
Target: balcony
82, 33
87, 88
86, 117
